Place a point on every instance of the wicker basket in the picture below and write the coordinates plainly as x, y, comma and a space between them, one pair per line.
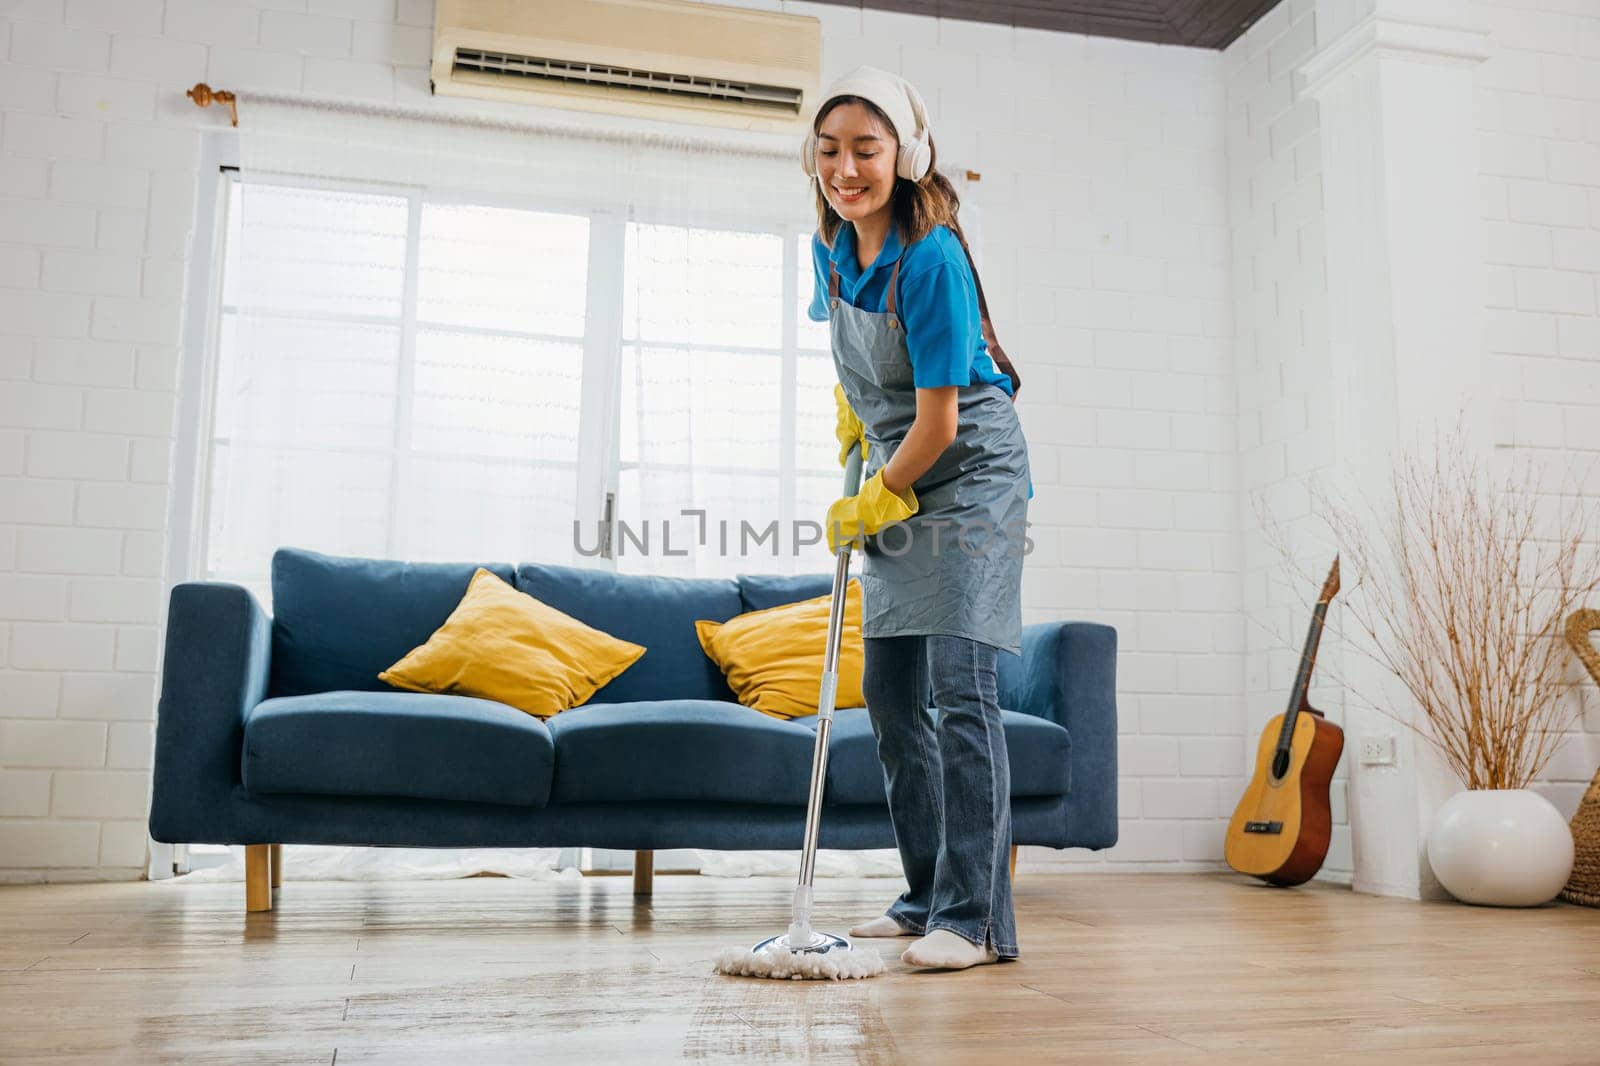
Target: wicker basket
1583, 886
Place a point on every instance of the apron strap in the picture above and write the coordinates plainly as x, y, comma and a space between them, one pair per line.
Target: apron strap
997, 353
888, 300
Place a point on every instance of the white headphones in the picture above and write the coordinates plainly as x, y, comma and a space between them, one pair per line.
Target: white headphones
899, 100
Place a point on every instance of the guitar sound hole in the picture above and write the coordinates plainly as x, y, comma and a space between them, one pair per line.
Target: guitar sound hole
1280, 764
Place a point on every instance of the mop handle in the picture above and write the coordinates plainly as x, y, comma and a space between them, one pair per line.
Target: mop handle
830, 683
841, 579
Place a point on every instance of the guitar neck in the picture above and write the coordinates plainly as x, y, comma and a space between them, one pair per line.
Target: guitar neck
1302, 681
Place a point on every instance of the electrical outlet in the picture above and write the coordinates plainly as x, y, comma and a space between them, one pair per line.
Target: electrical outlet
1378, 750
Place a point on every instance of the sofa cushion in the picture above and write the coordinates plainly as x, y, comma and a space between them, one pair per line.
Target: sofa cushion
337, 622
504, 645
679, 750
1038, 751
773, 658
760, 591
658, 612
398, 744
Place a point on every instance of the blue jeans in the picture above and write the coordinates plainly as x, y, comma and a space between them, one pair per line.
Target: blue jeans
949, 784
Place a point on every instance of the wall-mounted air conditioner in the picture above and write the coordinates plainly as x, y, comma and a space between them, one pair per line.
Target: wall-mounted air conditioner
665, 59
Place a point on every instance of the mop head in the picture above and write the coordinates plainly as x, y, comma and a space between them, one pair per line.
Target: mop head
776, 961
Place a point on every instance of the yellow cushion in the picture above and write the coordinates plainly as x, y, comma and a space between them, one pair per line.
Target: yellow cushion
501, 644
773, 658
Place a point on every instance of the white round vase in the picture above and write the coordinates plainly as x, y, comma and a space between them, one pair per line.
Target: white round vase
1501, 847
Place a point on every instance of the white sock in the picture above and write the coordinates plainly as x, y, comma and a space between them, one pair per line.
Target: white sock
885, 925
944, 950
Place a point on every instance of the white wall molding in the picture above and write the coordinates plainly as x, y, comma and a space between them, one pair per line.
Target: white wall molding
1450, 41
1394, 99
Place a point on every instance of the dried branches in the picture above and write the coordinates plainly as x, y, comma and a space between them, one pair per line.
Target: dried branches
1461, 592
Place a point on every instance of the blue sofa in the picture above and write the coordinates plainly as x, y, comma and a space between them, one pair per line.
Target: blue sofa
277, 730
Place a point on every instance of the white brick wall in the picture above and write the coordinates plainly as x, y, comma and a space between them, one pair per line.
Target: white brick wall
1105, 251
1538, 109
1105, 259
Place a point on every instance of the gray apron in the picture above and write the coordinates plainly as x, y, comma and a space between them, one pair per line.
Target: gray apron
955, 567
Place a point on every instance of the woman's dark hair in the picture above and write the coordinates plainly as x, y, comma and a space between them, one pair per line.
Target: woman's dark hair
915, 208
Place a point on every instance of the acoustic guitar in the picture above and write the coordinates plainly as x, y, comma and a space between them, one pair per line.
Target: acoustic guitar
1281, 828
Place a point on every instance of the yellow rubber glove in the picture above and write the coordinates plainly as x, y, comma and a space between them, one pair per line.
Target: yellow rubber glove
849, 428
867, 511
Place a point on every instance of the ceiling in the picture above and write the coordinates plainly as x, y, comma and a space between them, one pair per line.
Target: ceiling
1201, 23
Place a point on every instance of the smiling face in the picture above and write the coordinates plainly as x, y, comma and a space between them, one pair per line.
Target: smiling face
856, 152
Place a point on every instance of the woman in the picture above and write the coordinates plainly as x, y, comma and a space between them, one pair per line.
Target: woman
941, 515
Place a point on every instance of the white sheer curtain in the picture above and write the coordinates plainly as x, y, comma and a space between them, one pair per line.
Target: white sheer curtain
318, 862
451, 339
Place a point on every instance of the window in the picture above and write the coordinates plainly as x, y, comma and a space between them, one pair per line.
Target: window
404, 374
723, 409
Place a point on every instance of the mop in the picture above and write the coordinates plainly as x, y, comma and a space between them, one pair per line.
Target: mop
804, 953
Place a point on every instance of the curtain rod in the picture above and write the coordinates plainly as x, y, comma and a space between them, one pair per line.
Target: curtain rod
204, 96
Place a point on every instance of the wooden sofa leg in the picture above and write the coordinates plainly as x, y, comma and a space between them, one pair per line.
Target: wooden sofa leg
277, 865
644, 872
1013, 863
258, 877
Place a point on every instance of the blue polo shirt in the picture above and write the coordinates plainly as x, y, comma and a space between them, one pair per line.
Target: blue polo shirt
937, 299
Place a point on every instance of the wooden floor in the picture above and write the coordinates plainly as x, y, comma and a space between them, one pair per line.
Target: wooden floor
1130, 968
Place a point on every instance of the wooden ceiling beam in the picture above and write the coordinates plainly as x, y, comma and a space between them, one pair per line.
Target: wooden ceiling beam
1198, 23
